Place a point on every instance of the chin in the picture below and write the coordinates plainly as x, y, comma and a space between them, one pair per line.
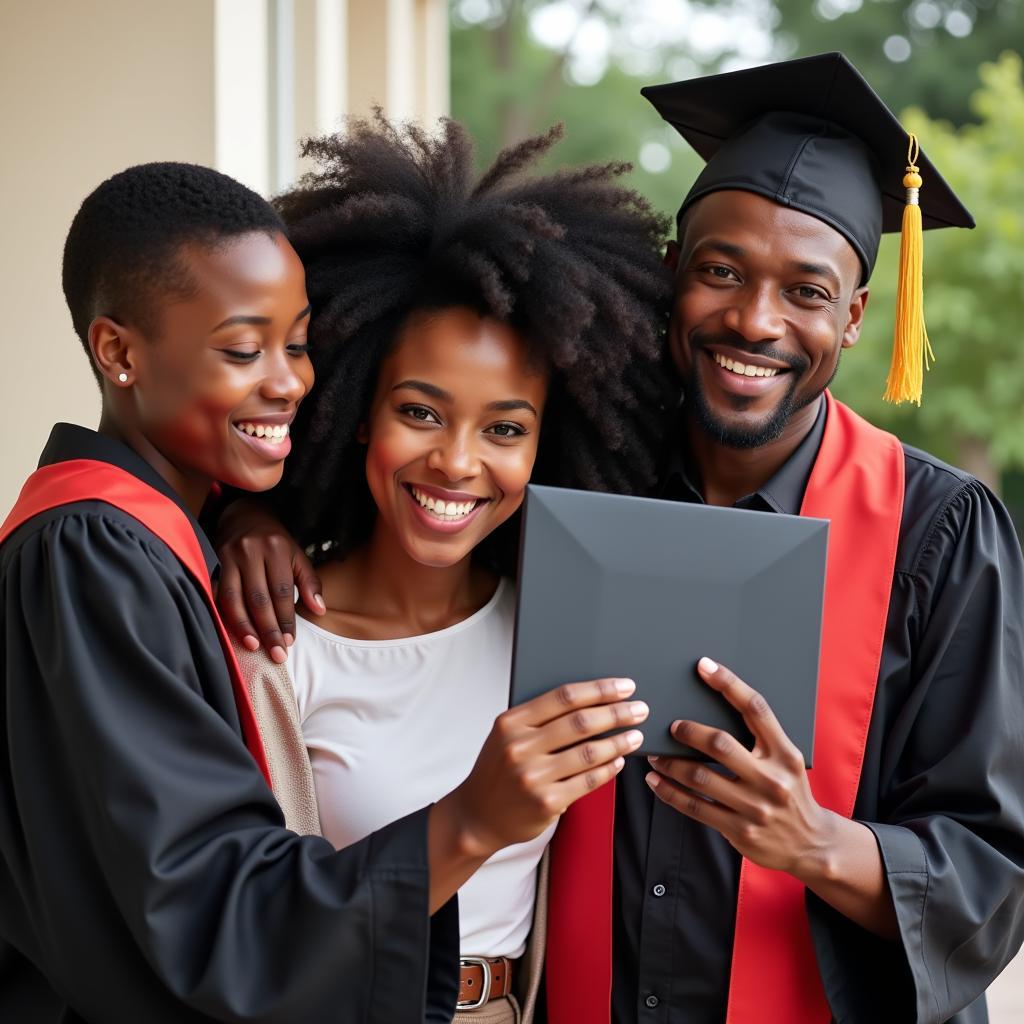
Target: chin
263, 480
438, 556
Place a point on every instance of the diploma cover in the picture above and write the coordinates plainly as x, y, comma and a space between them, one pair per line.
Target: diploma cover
857, 483
91, 480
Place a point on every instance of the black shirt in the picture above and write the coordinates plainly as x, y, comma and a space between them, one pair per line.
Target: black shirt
941, 788
145, 873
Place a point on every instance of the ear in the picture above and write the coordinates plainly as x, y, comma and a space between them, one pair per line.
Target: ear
671, 257
112, 346
363, 433
858, 303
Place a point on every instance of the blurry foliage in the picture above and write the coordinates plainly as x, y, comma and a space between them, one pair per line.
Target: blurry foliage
973, 406
943, 42
506, 84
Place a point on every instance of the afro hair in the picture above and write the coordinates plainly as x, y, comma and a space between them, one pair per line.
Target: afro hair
393, 220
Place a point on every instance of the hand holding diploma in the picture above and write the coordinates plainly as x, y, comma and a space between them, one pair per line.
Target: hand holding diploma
540, 757
764, 807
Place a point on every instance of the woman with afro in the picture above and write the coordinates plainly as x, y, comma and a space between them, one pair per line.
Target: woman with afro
469, 334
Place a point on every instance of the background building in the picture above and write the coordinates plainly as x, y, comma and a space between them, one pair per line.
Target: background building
88, 87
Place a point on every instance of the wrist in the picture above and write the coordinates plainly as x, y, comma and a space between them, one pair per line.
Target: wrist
456, 833
821, 861
239, 516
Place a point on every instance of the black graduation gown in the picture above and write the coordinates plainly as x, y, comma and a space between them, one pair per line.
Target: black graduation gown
145, 873
942, 787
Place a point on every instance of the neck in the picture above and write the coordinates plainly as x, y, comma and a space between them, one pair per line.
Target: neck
192, 489
728, 474
423, 598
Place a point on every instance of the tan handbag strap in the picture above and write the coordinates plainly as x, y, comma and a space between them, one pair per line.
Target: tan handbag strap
531, 964
277, 717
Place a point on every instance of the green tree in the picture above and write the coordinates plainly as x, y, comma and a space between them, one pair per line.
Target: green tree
506, 84
922, 52
973, 407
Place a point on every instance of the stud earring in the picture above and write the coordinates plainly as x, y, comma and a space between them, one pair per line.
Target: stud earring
123, 377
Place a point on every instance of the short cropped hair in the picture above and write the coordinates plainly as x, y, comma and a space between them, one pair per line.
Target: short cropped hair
122, 253
393, 220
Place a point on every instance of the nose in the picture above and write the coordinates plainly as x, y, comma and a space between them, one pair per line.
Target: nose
288, 377
454, 456
755, 314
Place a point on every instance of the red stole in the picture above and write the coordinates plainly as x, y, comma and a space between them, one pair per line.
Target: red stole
857, 483
88, 480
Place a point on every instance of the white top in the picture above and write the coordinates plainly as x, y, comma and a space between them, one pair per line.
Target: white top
393, 725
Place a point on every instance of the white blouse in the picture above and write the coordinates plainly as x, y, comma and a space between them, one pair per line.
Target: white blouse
393, 725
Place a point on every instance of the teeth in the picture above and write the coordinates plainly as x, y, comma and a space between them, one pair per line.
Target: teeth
275, 433
446, 511
743, 369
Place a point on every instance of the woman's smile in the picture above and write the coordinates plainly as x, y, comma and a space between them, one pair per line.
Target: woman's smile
444, 511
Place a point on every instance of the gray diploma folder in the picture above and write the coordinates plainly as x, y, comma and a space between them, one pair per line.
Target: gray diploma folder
643, 588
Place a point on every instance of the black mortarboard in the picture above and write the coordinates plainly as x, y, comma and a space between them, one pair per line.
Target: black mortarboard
813, 135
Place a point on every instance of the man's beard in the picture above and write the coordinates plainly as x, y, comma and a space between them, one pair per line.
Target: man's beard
751, 436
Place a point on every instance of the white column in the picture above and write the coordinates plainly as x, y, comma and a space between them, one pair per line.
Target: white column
331, 64
86, 89
242, 97
398, 58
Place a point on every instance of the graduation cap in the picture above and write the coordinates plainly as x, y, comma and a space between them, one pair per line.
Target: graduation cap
811, 134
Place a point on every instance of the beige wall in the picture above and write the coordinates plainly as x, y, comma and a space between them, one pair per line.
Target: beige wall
88, 87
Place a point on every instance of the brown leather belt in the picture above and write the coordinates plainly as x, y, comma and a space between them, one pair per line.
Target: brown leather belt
483, 978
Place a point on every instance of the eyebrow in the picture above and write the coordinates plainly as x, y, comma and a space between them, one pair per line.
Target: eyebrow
820, 270
428, 389
725, 248
506, 405
511, 405
256, 321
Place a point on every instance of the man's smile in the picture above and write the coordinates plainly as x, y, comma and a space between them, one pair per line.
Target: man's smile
744, 369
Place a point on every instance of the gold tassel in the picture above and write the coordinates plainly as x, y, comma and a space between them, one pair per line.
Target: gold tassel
912, 352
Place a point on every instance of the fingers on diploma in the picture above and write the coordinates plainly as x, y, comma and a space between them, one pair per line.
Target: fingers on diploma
756, 711
571, 697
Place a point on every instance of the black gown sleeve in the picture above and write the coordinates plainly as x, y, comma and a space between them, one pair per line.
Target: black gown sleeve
949, 819
144, 863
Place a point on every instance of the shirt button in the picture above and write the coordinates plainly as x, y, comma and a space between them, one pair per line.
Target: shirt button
651, 1002
659, 890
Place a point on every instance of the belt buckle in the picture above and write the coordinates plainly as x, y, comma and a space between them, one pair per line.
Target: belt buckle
485, 990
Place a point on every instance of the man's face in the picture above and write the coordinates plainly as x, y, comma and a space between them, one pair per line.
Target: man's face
766, 299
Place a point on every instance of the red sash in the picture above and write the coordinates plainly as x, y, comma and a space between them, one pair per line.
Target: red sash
857, 483
88, 480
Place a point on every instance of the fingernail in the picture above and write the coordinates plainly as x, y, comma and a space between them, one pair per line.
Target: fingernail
653, 759
319, 602
624, 686
278, 654
288, 639
251, 643
639, 710
619, 763
634, 737
707, 665
653, 780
